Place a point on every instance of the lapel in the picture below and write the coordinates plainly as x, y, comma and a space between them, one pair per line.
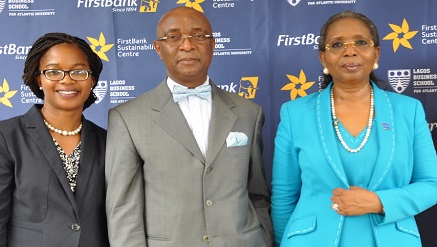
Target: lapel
41, 136
171, 119
327, 134
87, 155
384, 125
222, 121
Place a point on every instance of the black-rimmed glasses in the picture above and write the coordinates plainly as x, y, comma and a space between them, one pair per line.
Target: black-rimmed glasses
177, 39
59, 74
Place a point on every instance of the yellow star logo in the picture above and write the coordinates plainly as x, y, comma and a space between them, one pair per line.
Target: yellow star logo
100, 46
297, 85
6, 94
400, 35
195, 4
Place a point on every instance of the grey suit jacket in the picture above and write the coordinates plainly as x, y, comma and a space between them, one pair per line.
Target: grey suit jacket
162, 192
37, 207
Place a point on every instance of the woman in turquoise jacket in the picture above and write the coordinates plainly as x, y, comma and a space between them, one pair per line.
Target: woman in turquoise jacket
353, 164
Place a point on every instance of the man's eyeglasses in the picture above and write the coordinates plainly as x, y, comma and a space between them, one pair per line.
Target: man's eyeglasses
177, 39
338, 46
58, 74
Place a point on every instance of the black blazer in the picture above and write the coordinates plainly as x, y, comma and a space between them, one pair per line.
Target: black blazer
37, 207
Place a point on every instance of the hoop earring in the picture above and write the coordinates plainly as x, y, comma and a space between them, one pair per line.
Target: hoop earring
375, 66
325, 71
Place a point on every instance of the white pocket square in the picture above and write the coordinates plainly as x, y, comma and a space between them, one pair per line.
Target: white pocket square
236, 139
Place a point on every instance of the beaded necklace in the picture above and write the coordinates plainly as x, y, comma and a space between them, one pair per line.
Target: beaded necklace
63, 132
369, 124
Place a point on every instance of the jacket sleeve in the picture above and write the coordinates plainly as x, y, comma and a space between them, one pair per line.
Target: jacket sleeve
6, 187
421, 193
124, 186
286, 181
257, 186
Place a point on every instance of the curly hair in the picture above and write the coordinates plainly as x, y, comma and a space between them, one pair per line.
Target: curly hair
42, 45
373, 31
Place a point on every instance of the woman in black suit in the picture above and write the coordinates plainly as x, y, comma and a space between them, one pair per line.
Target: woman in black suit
52, 186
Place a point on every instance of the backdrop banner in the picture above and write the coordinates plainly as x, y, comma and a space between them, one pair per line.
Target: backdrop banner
265, 51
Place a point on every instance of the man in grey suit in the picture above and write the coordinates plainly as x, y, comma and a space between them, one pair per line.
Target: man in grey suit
185, 169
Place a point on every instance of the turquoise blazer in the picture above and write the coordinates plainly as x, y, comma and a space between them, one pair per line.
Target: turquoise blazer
307, 167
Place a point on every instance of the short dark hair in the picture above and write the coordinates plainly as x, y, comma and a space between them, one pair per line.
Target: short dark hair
354, 15
44, 43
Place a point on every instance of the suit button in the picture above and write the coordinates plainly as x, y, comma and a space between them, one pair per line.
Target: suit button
206, 239
208, 170
208, 203
75, 227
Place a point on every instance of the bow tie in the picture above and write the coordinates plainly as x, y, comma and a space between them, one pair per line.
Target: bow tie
181, 93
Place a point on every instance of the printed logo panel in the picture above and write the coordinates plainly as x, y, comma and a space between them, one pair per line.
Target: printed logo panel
6, 94
400, 35
100, 47
248, 87
100, 91
399, 79
2, 5
298, 85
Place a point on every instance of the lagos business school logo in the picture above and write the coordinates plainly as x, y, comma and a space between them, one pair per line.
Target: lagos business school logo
293, 2
2, 5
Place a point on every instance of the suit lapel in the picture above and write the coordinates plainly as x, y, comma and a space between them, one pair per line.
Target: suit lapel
385, 128
86, 165
40, 135
222, 121
171, 119
327, 134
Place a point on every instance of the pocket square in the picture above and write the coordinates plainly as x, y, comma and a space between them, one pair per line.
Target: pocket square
236, 139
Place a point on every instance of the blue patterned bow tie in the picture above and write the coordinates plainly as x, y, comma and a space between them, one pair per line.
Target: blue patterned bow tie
180, 93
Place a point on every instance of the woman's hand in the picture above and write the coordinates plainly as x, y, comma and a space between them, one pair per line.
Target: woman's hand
355, 201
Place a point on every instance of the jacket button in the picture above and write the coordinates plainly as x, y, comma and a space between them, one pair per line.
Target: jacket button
208, 203
208, 170
75, 227
206, 239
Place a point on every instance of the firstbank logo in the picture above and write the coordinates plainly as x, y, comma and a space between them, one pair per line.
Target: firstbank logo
293, 2
100, 47
120, 6
400, 35
297, 86
195, 4
149, 6
6, 94
248, 87
2, 5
